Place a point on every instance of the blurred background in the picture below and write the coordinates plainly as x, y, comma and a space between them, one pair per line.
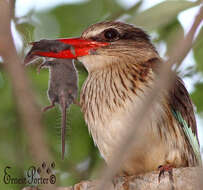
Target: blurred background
164, 20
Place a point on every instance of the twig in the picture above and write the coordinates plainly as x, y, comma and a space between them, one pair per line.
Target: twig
29, 111
184, 47
163, 81
148, 181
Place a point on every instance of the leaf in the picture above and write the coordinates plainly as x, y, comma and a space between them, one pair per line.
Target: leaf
74, 18
197, 97
170, 33
160, 14
47, 27
198, 50
131, 11
26, 30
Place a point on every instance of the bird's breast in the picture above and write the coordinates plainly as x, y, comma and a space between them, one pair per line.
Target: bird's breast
110, 103
107, 105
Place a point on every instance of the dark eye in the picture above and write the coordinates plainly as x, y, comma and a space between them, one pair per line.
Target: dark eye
111, 34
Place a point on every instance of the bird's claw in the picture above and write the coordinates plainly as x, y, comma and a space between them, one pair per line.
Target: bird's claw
169, 169
163, 169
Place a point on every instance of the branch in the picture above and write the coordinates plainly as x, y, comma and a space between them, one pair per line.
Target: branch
27, 107
185, 178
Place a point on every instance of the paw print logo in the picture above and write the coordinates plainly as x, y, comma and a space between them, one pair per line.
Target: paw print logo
46, 168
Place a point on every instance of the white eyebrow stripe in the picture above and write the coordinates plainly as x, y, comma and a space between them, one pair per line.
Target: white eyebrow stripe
95, 32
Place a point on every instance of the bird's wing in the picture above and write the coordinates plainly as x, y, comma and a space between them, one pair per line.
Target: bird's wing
182, 109
189, 134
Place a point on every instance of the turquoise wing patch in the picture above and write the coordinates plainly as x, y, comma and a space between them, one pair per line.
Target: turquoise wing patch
190, 135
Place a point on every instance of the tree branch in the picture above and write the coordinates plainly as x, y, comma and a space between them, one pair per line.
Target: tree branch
184, 178
29, 111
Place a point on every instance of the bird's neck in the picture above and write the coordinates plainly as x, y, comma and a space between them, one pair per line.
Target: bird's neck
121, 58
107, 89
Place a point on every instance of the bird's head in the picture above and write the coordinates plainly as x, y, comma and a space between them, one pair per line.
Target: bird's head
123, 42
99, 45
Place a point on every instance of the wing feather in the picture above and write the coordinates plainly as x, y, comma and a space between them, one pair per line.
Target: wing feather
183, 111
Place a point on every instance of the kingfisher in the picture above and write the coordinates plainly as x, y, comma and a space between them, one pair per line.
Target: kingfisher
122, 66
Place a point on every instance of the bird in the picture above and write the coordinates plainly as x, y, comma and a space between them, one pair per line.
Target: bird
122, 65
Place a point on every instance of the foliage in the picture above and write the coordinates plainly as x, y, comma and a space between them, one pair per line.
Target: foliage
82, 159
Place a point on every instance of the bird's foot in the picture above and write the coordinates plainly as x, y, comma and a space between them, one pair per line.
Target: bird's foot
165, 168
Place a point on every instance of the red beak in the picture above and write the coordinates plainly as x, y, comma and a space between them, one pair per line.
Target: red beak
81, 47
63, 48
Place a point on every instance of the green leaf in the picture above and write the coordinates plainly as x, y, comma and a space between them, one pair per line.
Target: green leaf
26, 30
131, 11
161, 14
198, 50
197, 97
74, 18
170, 33
47, 27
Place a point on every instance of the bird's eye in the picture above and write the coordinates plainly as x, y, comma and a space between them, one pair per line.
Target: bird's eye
111, 34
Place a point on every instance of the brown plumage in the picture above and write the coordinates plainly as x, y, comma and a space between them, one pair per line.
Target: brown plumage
119, 76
